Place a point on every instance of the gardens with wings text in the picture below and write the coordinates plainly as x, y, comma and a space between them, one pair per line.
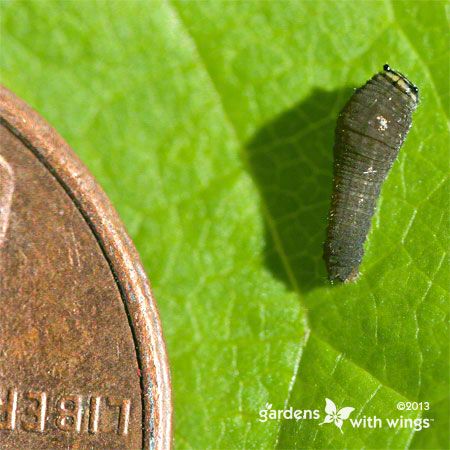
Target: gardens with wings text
332, 415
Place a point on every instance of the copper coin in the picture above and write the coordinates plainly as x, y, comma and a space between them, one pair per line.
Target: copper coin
82, 358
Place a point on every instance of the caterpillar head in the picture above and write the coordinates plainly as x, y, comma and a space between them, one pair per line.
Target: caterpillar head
401, 82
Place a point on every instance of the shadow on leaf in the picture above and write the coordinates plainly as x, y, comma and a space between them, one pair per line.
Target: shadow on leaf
291, 160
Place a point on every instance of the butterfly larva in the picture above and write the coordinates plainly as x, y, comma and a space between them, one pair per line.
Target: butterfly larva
369, 133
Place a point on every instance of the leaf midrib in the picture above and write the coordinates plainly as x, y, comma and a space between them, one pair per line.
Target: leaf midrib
268, 217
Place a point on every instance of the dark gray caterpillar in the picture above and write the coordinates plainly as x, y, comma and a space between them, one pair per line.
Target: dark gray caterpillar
369, 133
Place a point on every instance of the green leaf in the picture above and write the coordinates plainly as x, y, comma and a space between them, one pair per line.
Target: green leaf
210, 126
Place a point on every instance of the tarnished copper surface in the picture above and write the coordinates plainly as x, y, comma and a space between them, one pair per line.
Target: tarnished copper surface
82, 357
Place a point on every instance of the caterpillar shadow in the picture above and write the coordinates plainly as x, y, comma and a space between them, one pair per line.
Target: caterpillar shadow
291, 160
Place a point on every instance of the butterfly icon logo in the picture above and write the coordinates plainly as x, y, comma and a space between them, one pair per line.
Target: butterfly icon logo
335, 416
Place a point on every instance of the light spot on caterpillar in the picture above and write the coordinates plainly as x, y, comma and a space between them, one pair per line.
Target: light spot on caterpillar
370, 170
383, 123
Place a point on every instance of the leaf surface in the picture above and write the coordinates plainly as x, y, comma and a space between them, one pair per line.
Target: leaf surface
210, 126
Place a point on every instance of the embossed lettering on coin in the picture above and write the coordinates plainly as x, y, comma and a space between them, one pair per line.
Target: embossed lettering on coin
40, 411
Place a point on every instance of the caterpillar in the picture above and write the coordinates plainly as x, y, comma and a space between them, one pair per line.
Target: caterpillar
369, 133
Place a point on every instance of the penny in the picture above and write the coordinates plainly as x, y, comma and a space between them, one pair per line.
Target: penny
82, 357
